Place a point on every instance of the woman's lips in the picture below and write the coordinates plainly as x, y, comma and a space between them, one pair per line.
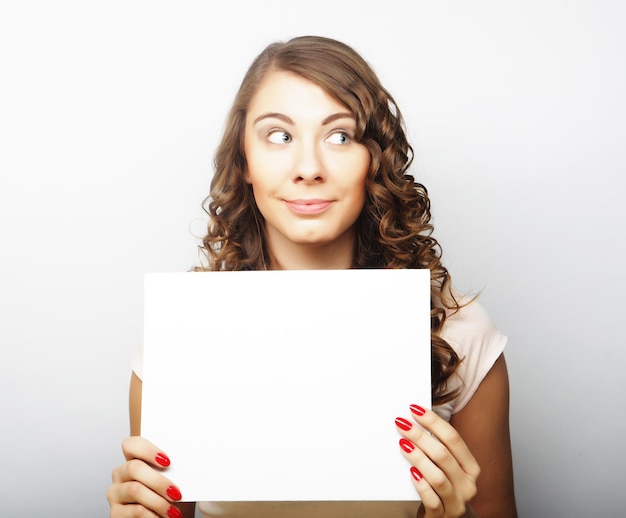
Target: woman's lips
313, 206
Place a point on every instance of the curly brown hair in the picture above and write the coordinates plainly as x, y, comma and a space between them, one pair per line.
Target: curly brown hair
394, 229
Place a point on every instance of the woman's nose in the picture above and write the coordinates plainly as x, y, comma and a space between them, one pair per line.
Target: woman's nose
309, 166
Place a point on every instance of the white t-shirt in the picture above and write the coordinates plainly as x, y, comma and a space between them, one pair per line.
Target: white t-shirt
470, 332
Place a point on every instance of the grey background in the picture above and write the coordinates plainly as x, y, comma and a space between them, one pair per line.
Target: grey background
109, 114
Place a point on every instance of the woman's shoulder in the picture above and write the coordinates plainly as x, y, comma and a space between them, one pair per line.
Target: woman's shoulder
469, 327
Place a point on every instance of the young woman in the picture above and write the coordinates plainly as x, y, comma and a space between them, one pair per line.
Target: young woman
312, 173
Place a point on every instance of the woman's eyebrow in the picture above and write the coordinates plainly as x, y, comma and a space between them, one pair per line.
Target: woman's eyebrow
284, 118
335, 116
274, 115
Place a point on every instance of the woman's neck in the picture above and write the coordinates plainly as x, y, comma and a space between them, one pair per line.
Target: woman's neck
286, 255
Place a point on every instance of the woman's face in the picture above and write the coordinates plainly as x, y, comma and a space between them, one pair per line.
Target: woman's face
306, 170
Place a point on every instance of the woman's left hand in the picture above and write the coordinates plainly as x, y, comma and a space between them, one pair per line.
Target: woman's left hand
443, 468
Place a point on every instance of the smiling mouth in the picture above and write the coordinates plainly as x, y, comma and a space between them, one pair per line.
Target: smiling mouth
307, 207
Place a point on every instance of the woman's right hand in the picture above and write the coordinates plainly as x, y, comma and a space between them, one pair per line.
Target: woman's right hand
139, 488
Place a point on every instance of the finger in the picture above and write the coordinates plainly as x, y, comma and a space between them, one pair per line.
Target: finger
430, 476
431, 503
134, 499
136, 482
448, 436
426, 452
134, 511
136, 447
139, 471
453, 480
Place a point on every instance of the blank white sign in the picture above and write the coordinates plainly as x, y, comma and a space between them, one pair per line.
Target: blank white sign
284, 385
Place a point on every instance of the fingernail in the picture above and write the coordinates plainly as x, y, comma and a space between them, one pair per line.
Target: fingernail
403, 423
406, 445
416, 473
162, 460
417, 410
174, 493
174, 512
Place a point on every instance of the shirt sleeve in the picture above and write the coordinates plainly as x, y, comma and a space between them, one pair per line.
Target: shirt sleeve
471, 333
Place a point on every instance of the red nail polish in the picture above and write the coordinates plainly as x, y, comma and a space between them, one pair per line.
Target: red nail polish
406, 445
403, 424
416, 473
174, 493
162, 460
417, 410
174, 512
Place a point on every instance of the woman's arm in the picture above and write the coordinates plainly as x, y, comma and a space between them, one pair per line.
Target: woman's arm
187, 508
139, 486
484, 426
463, 468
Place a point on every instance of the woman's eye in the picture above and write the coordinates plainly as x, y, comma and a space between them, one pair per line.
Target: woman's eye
279, 137
338, 138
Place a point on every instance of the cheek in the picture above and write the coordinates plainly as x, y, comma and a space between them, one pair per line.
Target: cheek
356, 181
255, 161
258, 180
263, 167
355, 191
255, 171
360, 183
